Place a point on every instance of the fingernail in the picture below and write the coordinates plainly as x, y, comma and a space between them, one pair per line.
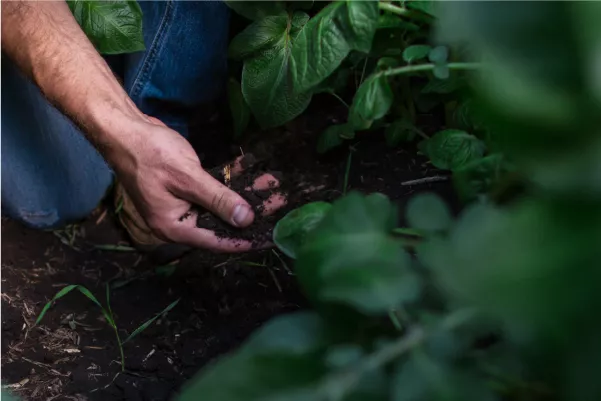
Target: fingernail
241, 214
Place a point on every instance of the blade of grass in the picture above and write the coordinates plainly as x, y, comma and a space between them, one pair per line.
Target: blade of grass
110, 316
145, 325
58, 295
348, 170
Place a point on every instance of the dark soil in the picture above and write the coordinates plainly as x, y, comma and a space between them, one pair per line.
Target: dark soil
72, 354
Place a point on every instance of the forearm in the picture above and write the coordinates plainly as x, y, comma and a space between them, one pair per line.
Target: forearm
46, 42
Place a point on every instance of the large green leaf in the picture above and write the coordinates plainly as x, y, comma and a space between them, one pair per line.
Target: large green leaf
259, 35
290, 233
113, 26
535, 265
428, 212
329, 37
238, 107
351, 259
372, 101
266, 80
451, 149
250, 377
282, 360
422, 378
256, 10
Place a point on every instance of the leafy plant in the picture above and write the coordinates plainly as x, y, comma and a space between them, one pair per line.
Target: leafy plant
113, 26
290, 233
107, 313
497, 302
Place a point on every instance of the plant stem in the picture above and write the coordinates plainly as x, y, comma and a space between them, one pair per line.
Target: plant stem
120, 348
408, 231
363, 72
428, 67
404, 12
339, 385
347, 171
340, 99
396, 322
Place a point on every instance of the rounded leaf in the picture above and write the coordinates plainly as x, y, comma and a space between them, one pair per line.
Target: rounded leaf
372, 100
291, 231
451, 149
428, 212
351, 259
439, 54
416, 52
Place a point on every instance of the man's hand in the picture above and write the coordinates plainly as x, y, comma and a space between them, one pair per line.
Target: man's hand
158, 167
165, 179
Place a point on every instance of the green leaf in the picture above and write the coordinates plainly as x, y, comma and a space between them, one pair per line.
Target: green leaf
249, 377
281, 360
291, 231
327, 39
259, 35
351, 259
478, 176
441, 71
6, 396
389, 21
113, 26
428, 212
64, 292
372, 100
334, 136
534, 266
256, 10
400, 131
416, 52
266, 79
422, 378
451, 149
145, 325
296, 333
439, 55
238, 107
426, 6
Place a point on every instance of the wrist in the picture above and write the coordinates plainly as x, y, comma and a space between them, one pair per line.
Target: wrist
113, 123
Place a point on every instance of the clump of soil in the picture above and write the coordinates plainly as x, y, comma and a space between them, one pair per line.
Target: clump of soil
296, 186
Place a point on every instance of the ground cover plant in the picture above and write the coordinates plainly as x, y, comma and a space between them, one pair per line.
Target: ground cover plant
493, 299
495, 304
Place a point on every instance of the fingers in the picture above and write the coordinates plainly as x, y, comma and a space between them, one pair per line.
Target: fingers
209, 193
274, 203
206, 239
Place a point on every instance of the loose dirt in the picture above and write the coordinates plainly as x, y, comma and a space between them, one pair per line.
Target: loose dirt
72, 354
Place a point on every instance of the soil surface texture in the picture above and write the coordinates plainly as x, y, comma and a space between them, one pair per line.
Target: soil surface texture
72, 354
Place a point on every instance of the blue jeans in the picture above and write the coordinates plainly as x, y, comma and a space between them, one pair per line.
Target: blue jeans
51, 175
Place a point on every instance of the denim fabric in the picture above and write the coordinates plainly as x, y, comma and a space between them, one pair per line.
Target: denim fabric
51, 175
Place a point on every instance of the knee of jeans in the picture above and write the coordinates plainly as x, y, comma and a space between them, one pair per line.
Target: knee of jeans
42, 219
58, 213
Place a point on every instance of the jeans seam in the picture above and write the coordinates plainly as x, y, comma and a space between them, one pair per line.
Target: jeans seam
150, 57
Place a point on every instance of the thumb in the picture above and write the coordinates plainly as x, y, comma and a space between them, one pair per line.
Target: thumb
209, 193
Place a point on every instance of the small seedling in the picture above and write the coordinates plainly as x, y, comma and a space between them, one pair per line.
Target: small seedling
108, 314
